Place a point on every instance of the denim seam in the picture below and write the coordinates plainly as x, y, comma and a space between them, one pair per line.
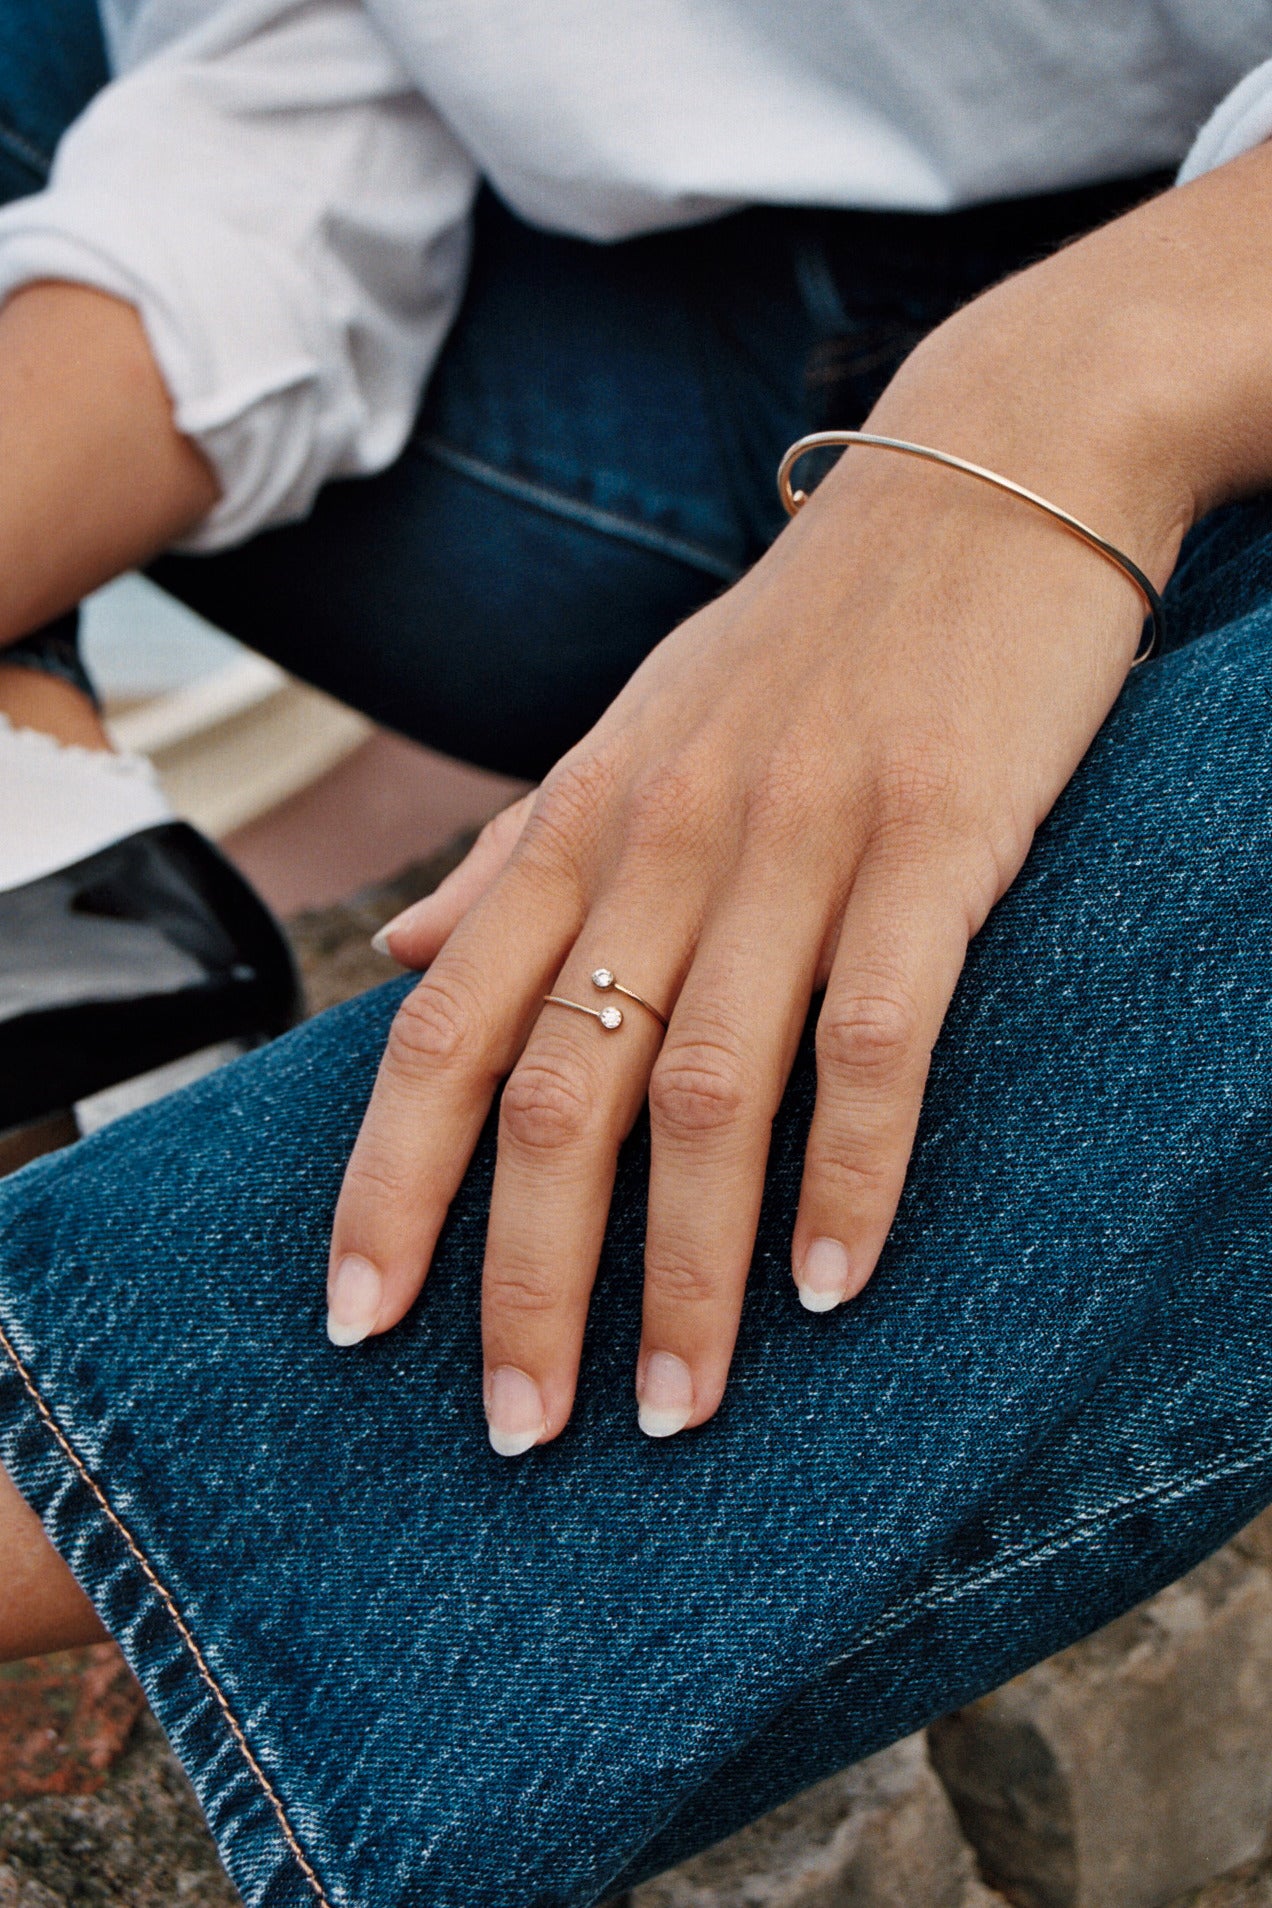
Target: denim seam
1056, 1542
818, 289
24, 151
170, 1604
1022, 1558
558, 504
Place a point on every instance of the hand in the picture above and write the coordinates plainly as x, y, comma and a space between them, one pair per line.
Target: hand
824, 779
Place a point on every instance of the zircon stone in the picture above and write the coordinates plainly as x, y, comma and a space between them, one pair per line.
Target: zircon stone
611, 1017
601, 977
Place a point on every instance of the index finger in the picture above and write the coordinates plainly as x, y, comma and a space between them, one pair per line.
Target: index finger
453, 1039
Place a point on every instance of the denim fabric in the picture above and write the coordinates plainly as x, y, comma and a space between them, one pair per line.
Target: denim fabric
460, 1681
52, 61
54, 651
401, 1670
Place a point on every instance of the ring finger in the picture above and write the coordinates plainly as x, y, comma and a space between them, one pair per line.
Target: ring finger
566, 1109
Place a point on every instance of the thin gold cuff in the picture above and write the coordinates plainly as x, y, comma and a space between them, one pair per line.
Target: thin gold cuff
831, 440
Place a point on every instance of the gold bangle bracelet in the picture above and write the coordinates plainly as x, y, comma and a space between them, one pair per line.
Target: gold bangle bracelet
1155, 625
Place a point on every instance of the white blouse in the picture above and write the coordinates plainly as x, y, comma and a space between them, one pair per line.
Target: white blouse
283, 187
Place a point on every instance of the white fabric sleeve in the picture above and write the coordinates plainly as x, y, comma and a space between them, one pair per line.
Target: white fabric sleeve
290, 219
1240, 122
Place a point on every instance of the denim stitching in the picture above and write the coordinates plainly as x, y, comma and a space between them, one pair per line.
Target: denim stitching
1057, 1541
608, 522
897, 1619
169, 1602
24, 151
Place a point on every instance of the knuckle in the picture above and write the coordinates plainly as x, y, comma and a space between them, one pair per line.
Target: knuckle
567, 811
674, 1277
545, 1106
370, 1179
786, 796
436, 1024
873, 1034
696, 1090
520, 1291
862, 1172
504, 830
915, 791
500, 831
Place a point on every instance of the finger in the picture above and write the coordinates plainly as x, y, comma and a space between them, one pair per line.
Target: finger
416, 936
572, 1098
712, 1097
453, 1040
901, 950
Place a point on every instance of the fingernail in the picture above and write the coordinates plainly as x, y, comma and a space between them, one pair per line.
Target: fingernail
380, 939
353, 1305
515, 1417
823, 1277
666, 1396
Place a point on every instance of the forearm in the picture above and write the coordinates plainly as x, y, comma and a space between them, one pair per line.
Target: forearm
94, 476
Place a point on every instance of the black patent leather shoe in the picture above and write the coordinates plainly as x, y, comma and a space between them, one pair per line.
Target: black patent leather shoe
130, 963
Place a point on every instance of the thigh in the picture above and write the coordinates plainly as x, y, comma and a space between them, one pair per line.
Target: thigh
403, 1666
595, 459
52, 61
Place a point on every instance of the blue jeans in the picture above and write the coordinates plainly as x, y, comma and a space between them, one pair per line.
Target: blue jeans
403, 1671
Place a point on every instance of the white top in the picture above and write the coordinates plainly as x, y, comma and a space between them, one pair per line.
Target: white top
283, 187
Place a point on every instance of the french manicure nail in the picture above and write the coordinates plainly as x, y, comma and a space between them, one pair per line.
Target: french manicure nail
353, 1304
515, 1417
666, 1396
380, 939
823, 1277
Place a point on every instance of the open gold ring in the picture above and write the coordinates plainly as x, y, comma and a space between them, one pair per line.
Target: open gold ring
610, 1016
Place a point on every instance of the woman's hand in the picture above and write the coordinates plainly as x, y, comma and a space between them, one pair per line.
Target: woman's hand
824, 779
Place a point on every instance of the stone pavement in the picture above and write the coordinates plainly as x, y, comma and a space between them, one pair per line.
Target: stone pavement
1131, 1771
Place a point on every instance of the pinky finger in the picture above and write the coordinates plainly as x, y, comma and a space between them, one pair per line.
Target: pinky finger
417, 935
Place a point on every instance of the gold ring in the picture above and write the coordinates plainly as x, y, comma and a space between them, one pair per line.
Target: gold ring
610, 1017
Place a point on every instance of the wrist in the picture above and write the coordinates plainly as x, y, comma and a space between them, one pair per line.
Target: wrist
1062, 401
1129, 376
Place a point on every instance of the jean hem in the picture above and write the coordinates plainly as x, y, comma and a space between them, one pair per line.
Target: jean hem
184, 1703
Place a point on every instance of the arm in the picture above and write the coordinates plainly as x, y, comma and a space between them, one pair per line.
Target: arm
267, 191
94, 475
826, 778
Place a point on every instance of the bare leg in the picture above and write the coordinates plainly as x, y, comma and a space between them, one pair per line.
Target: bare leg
41, 1605
33, 701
